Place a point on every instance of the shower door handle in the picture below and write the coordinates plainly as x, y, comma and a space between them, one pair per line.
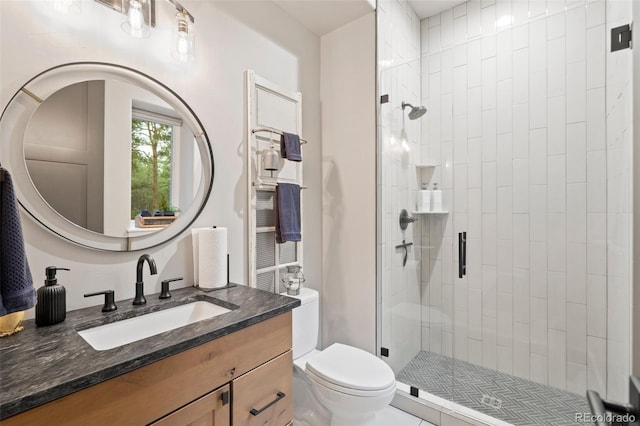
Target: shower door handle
462, 254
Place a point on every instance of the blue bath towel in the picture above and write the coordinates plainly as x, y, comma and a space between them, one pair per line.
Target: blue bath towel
16, 285
290, 147
287, 212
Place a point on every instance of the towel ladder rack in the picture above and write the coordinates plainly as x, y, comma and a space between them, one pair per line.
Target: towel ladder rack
273, 184
272, 130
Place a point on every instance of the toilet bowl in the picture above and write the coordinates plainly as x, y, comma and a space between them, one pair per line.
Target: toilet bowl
341, 385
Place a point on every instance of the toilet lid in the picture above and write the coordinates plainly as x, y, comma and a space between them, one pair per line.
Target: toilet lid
351, 368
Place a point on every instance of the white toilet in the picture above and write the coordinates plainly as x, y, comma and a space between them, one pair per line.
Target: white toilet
341, 385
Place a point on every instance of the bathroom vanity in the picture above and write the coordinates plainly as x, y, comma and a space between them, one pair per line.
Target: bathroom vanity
235, 368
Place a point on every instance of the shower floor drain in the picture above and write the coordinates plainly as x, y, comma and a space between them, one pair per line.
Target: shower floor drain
491, 402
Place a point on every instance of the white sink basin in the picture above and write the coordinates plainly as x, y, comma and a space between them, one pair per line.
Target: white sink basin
120, 333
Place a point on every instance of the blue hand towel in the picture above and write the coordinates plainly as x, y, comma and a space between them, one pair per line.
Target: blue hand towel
290, 147
16, 285
287, 212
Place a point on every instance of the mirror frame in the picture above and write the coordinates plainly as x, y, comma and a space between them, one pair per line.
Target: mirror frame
13, 124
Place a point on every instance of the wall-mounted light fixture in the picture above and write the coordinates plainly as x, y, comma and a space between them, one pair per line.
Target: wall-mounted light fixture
141, 17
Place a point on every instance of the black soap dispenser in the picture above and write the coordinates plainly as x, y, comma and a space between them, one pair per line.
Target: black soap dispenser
52, 300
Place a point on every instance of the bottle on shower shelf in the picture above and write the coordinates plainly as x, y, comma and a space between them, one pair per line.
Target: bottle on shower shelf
436, 199
423, 200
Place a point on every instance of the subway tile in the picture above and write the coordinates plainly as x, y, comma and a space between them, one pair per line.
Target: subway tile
597, 306
576, 152
595, 13
520, 37
576, 27
537, 8
596, 182
474, 163
460, 10
596, 54
504, 157
597, 243
488, 20
576, 92
556, 122
576, 377
505, 266
538, 368
558, 361
538, 271
577, 213
489, 135
555, 25
577, 334
475, 314
557, 184
577, 273
460, 90
489, 187
474, 113
460, 188
504, 212
538, 156
434, 39
504, 106
446, 79
597, 364
596, 119
521, 295
474, 262
474, 20
489, 294
434, 62
504, 55
460, 139
505, 359
489, 81
538, 100
538, 325
474, 348
538, 213
446, 117
556, 67
554, 7
557, 239
521, 241
520, 10
460, 31
489, 347
521, 76
521, 131
521, 186
521, 352
557, 296
475, 213
446, 28
505, 319
489, 46
537, 45
489, 240
474, 63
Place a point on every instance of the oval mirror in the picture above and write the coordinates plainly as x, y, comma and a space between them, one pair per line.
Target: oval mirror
105, 156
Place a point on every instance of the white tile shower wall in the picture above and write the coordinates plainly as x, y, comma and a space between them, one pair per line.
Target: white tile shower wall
399, 74
541, 173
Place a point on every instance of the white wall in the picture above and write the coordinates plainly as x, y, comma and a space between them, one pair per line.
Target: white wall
230, 38
349, 198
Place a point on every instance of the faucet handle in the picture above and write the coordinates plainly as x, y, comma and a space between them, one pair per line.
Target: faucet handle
164, 287
109, 300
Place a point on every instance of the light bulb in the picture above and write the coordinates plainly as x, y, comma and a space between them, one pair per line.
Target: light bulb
135, 24
183, 45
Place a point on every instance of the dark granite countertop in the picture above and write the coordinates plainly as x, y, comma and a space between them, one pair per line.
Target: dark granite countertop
41, 364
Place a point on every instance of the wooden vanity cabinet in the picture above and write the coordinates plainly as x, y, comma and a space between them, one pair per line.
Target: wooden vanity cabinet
252, 364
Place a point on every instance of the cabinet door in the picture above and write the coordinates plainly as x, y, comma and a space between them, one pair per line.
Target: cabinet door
263, 396
209, 410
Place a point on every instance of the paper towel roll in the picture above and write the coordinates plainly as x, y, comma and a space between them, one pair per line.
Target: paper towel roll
210, 257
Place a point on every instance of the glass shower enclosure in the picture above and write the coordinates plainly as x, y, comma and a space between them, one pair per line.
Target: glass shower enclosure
512, 298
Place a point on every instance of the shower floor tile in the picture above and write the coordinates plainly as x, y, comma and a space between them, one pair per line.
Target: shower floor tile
522, 402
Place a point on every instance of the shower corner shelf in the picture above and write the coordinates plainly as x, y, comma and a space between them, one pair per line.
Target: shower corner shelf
437, 212
426, 166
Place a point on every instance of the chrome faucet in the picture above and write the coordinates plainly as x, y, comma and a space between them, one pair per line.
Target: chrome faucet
140, 299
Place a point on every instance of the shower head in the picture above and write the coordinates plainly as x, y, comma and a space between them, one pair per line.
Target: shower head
416, 112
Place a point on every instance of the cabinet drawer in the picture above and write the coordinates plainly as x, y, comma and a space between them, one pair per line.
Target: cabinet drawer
213, 409
263, 396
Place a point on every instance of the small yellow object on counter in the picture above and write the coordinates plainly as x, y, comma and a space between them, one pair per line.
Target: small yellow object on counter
11, 323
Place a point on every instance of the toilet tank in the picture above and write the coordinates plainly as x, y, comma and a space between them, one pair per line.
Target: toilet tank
305, 322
